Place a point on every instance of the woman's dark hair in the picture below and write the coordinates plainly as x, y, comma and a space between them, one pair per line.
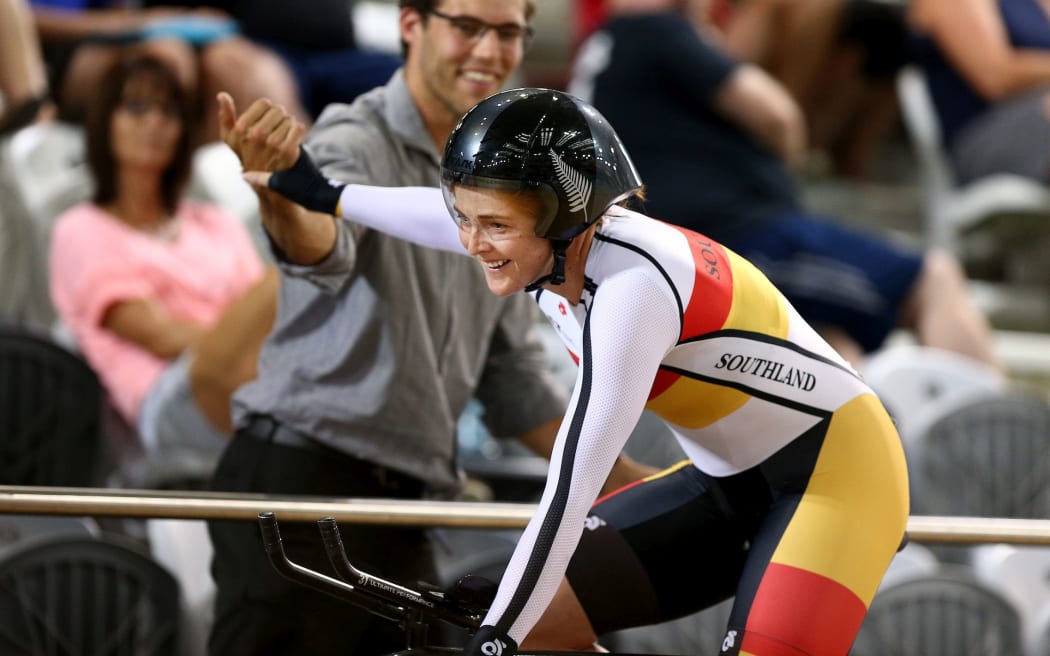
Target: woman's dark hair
162, 81
424, 7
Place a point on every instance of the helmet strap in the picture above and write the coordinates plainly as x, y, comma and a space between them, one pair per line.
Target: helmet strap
557, 274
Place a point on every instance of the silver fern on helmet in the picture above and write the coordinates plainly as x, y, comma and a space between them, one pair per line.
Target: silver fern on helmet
576, 185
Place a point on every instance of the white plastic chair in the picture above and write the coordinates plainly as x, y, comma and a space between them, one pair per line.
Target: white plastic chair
919, 383
952, 210
46, 162
376, 25
183, 547
985, 455
15, 529
1039, 635
949, 613
1022, 574
215, 177
913, 561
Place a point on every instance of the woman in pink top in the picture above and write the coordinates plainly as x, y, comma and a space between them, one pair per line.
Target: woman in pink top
167, 298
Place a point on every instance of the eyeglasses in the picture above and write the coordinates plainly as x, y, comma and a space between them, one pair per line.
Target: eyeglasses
491, 230
472, 30
139, 108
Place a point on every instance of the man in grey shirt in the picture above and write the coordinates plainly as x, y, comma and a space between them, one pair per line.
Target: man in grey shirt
378, 344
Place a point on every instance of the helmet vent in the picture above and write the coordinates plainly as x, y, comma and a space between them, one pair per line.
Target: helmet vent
576, 185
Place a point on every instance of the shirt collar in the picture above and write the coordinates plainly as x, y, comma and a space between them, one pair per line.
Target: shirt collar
402, 114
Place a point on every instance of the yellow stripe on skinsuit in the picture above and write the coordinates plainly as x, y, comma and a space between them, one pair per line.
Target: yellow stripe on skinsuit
852, 517
757, 306
695, 404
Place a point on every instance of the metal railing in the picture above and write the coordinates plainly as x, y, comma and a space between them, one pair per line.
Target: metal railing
104, 502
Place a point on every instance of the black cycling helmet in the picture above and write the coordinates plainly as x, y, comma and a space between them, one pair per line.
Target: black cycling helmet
546, 141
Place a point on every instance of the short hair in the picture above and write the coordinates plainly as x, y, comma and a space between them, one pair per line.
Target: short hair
424, 7
99, 121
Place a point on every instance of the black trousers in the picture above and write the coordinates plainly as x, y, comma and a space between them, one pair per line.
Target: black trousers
258, 612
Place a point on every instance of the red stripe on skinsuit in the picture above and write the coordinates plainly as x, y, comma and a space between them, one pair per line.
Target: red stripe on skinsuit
708, 307
663, 380
797, 612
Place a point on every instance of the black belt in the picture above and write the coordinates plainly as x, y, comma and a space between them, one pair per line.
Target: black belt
268, 429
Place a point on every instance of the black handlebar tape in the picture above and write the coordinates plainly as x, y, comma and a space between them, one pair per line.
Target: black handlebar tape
271, 535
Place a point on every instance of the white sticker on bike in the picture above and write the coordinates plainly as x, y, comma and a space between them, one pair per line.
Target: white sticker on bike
730, 640
593, 522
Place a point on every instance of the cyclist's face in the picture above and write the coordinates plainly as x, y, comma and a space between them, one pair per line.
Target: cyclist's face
499, 229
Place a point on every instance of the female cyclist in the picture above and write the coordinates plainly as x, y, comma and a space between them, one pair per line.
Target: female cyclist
794, 498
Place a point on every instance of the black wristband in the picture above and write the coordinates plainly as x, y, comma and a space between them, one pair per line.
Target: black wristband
490, 641
304, 184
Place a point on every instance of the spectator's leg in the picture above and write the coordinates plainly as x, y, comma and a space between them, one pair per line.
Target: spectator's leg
872, 120
177, 54
941, 312
247, 71
843, 344
90, 61
790, 39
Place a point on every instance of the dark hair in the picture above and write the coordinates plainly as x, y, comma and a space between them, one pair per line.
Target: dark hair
880, 31
99, 122
424, 7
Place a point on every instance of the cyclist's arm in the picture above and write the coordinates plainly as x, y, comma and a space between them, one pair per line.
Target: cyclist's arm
633, 323
415, 214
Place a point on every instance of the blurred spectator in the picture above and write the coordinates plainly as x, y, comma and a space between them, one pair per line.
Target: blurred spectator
987, 63
687, 111
24, 99
82, 39
589, 16
167, 299
316, 40
23, 78
837, 58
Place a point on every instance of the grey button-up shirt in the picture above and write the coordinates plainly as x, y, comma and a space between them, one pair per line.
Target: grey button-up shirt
377, 349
